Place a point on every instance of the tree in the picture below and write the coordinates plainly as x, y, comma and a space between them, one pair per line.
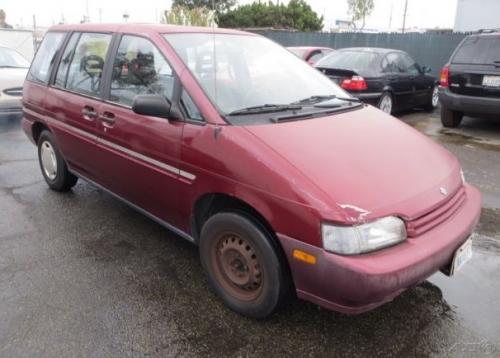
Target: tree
297, 15
181, 15
360, 9
3, 23
219, 6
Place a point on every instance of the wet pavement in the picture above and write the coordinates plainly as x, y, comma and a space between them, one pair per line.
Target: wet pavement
82, 274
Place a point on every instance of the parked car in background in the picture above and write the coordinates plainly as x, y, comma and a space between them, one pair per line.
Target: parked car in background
310, 54
388, 79
287, 184
13, 70
470, 82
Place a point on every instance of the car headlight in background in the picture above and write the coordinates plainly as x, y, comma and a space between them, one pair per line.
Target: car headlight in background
352, 240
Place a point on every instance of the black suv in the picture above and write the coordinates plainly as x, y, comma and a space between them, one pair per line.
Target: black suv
470, 82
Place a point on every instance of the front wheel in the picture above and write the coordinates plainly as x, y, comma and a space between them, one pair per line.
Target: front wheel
385, 103
54, 168
242, 264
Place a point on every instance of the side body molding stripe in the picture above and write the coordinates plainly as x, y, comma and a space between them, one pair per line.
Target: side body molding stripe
156, 163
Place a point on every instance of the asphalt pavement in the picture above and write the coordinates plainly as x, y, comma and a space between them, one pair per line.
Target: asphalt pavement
83, 275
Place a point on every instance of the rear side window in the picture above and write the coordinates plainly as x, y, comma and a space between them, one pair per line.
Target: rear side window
139, 68
392, 64
87, 64
45, 57
409, 65
479, 50
67, 57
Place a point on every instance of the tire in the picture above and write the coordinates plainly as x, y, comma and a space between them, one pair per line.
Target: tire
433, 100
243, 266
386, 103
52, 164
450, 119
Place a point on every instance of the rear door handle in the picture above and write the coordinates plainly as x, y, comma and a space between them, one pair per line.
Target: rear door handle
89, 113
108, 118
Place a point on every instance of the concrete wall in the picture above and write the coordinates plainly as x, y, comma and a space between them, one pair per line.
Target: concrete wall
473, 15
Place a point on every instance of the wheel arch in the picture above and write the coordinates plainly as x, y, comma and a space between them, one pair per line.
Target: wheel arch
37, 129
209, 204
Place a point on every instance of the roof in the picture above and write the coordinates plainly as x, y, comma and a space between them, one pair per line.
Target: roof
378, 50
136, 27
309, 48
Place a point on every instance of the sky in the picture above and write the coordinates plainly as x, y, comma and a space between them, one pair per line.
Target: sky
421, 13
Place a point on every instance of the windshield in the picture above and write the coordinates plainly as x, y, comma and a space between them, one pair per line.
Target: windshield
10, 58
359, 60
241, 71
479, 50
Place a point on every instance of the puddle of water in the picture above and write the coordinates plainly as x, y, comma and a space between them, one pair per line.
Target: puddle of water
452, 136
473, 293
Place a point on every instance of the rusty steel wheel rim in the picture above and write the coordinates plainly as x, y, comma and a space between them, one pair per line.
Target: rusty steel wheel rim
237, 266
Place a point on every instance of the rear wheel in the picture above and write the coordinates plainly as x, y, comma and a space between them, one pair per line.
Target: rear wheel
433, 101
54, 168
385, 103
242, 264
450, 119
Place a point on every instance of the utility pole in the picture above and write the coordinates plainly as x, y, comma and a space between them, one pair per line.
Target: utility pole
404, 16
88, 14
390, 16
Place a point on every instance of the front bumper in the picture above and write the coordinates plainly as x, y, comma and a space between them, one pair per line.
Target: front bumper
355, 284
469, 104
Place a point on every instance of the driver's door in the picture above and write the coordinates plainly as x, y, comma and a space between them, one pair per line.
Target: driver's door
140, 154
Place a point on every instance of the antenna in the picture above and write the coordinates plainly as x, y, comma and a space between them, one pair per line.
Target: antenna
404, 16
215, 51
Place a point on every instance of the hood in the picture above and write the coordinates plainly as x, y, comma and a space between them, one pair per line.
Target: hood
12, 77
366, 162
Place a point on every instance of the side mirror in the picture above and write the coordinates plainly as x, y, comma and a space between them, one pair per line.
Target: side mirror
152, 105
426, 69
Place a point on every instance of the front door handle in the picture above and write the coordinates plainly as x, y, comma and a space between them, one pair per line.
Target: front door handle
108, 118
89, 113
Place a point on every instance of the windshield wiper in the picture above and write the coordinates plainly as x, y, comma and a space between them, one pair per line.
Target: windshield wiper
315, 99
319, 99
265, 108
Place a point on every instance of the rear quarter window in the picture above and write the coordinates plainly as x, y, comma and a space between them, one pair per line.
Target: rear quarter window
45, 57
478, 50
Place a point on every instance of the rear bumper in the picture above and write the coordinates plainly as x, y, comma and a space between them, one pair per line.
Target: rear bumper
370, 98
355, 284
468, 104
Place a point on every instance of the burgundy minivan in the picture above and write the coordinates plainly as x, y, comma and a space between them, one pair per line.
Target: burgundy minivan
286, 183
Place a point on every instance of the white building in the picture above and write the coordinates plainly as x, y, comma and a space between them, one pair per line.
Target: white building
473, 15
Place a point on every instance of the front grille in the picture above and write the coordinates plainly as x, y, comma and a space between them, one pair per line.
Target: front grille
437, 216
15, 91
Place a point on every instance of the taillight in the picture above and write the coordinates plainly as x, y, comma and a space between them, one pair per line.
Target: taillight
355, 83
444, 77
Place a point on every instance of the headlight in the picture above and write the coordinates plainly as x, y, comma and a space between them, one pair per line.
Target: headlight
352, 240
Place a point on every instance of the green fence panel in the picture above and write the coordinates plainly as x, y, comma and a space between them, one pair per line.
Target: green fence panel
429, 49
